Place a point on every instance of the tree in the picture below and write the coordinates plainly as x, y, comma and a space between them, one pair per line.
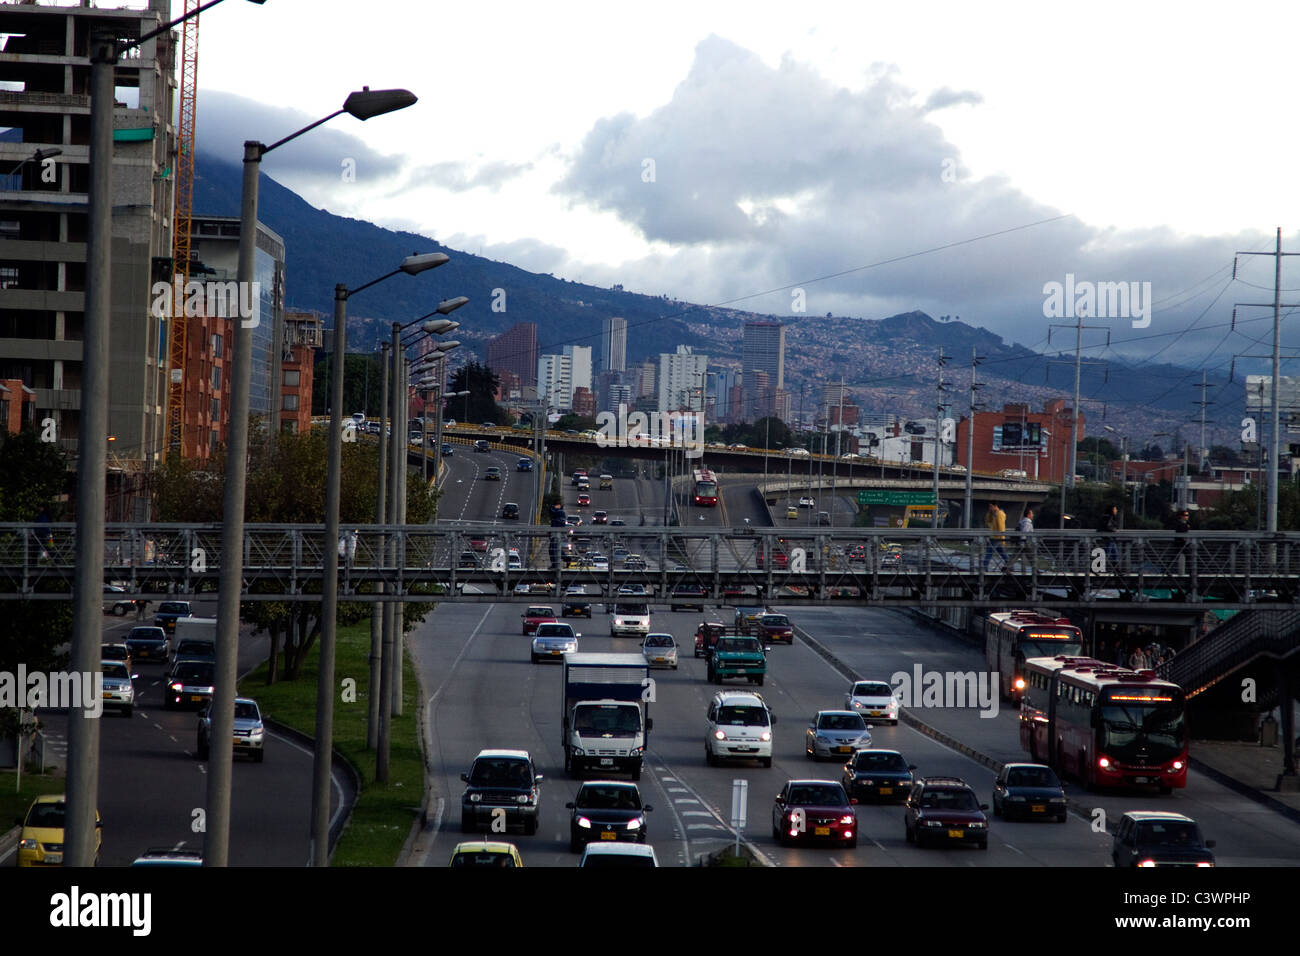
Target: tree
287, 485
482, 384
33, 475
363, 383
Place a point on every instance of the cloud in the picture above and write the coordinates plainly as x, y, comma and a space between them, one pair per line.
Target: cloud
944, 97
456, 176
754, 178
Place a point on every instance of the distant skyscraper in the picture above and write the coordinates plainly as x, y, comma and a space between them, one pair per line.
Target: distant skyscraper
515, 350
681, 380
764, 351
613, 345
580, 357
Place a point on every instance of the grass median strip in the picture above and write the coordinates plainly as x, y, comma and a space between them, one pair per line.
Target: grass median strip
384, 812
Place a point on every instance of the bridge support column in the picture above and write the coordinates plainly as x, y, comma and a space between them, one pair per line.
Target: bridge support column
1287, 780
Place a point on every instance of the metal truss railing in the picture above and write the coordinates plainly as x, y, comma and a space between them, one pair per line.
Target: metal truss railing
473, 562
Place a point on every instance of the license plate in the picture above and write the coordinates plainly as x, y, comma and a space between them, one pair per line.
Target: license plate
108, 693
608, 835
886, 791
661, 660
877, 713
956, 834
195, 698
607, 761
844, 750
1039, 808
821, 831
557, 653
1141, 779
240, 742
740, 670
54, 858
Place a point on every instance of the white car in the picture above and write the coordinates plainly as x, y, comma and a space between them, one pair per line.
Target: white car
874, 699
619, 854
807, 502
797, 452
513, 561
630, 620
119, 691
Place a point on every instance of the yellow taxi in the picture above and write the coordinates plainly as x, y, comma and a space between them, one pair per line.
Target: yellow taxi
792, 512
41, 842
480, 853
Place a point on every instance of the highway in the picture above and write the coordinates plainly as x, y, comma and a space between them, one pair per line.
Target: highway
483, 692
151, 784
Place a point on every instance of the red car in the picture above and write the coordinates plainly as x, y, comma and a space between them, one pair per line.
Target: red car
538, 614
775, 627
813, 810
780, 560
600, 517
584, 500
478, 544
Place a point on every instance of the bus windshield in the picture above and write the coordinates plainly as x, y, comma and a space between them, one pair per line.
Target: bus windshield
1156, 731
706, 489
1032, 648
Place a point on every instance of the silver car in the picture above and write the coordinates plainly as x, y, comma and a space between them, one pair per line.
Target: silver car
660, 650
118, 692
836, 733
249, 734
553, 641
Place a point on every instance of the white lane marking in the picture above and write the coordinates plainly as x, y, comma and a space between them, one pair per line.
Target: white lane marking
685, 800
1013, 849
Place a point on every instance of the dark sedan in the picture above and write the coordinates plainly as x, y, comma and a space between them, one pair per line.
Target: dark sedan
607, 810
878, 774
190, 684
945, 809
811, 810
1029, 791
147, 644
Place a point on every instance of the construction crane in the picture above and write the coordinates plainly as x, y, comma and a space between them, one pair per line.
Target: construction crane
184, 208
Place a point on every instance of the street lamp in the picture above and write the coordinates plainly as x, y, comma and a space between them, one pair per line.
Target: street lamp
364, 105
1123, 481
92, 447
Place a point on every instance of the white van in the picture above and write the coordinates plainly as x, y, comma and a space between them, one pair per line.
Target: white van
739, 728
630, 620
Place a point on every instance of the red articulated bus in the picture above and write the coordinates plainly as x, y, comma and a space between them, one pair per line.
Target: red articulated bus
706, 489
1012, 637
1105, 724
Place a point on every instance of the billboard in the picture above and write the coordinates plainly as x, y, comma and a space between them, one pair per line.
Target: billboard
1015, 435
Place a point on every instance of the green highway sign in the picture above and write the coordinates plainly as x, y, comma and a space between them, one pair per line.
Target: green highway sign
872, 497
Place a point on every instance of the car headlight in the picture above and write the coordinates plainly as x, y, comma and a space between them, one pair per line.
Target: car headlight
579, 752
1015, 799
719, 735
634, 824
848, 819
977, 825
475, 797
584, 823
932, 823
27, 844
522, 798
765, 736
1147, 863
1203, 863
637, 751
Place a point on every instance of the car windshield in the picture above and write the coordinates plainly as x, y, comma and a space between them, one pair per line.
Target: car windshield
841, 722
611, 719
482, 858
554, 630
113, 652
872, 690
962, 800
632, 610
659, 640
1032, 777
880, 761
194, 648
46, 815
246, 711
618, 860
146, 634
742, 716
775, 620
173, 607
818, 795
539, 612
112, 669
500, 772
195, 673
1168, 833
608, 798
733, 644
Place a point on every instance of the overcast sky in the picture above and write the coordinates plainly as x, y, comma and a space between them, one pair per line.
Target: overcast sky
726, 152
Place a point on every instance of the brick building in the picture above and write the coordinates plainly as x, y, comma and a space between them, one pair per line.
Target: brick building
1037, 443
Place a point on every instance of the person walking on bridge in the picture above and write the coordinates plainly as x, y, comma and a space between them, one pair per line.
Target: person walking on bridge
995, 519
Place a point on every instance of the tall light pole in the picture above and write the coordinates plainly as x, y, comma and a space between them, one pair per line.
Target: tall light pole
92, 437
363, 105
1123, 482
